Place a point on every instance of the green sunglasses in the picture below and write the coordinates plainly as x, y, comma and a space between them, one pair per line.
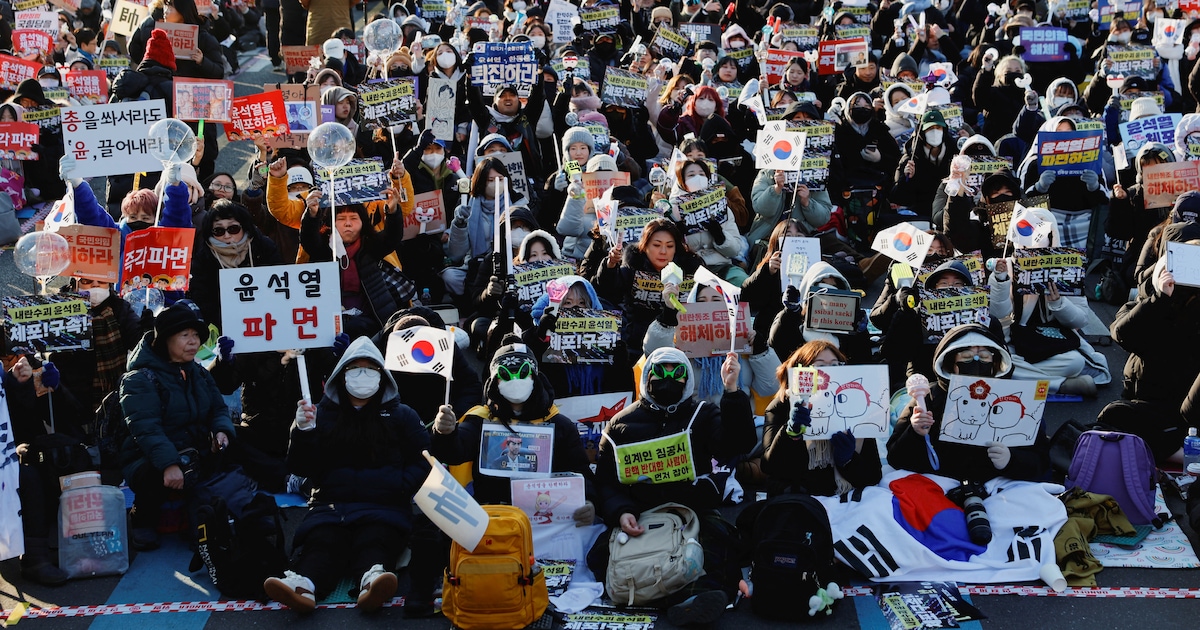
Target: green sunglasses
524, 371
679, 373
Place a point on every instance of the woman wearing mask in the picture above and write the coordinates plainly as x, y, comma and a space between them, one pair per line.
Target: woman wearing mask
443, 62
866, 154
788, 331
702, 107
225, 239
1072, 197
717, 241
93, 373
582, 379
997, 94
471, 232
925, 163
900, 125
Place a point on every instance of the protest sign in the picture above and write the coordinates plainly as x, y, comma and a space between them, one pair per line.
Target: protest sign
421, 350
1126, 103
943, 309
302, 104
601, 619
360, 181
697, 32
89, 87
1163, 183
202, 99
112, 66
531, 278
13, 71
1034, 268
500, 64
182, 38
518, 178
112, 139
805, 37
831, 310
1044, 43
297, 58
598, 183
158, 258
48, 118
797, 254
981, 410
776, 61
516, 450
17, 140
1183, 261
302, 117
903, 243
428, 215
834, 56
560, 16
388, 102
928, 604
450, 506
127, 17
660, 460
433, 10
27, 41
281, 307
698, 208
601, 19
485, 23
631, 222
703, 331
743, 57
845, 397
1160, 129
999, 215
668, 42
983, 166
973, 261
549, 501
442, 95
37, 20
1132, 60
623, 88
1069, 152
95, 252
256, 116
46, 323
584, 335
851, 31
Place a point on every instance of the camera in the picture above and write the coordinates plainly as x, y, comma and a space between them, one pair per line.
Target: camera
969, 496
189, 460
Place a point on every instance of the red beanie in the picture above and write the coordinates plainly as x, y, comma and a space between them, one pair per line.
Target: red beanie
159, 49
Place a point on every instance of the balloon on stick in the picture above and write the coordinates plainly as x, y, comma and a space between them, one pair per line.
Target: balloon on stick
173, 143
331, 146
42, 255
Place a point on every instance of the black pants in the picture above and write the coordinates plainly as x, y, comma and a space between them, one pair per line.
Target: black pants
430, 554
1158, 424
273, 20
149, 494
331, 551
39, 502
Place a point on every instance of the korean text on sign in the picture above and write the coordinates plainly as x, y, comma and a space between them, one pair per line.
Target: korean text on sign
943, 309
112, 139
1069, 152
17, 140
46, 323
1036, 268
257, 116
157, 255
499, 64
281, 307
660, 460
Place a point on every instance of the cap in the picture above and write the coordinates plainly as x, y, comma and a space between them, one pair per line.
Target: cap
299, 175
932, 118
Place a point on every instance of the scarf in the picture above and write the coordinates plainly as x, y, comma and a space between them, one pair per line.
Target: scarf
351, 283
230, 256
821, 456
480, 224
110, 355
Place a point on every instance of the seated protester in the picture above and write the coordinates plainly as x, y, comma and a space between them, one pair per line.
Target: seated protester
368, 294
865, 153
695, 149
226, 239
997, 95
472, 230
771, 199
960, 220
176, 415
41, 182
1129, 219
719, 242
492, 301
1061, 94
1072, 198
788, 331
1185, 210
632, 276
580, 379
667, 406
702, 115
863, 78
116, 329
360, 448
794, 463
506, 116
900, 125
969, 350
576, 223
1141, 107
932, 45
925, 162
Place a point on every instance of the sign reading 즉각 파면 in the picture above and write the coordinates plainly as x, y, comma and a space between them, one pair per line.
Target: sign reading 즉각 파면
17, 140
158, 257
281, 307
112, 139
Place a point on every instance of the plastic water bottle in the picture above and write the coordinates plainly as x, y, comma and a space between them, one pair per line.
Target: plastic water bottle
1191, 448
426, 299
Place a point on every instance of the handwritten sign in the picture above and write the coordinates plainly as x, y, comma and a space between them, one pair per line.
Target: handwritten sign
1183, 261
281, 307
46, 323
560, 15
981, 410
797, 255
159, 256
703, 331
112, 139
844, 397
831, 310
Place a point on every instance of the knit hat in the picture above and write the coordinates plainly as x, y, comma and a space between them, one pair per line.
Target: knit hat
1143, 107
299, 175
577, 134
180, 316
158, 49
512, 357
601, 162
593, 117
1187, 208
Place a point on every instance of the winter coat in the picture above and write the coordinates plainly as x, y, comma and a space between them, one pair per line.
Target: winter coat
789, 333
771, 207
917, 192
637, 286
1000, 105
785, 459
206, 268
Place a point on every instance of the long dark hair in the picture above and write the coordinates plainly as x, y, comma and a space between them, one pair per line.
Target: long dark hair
186, 8
479, 179
662, 225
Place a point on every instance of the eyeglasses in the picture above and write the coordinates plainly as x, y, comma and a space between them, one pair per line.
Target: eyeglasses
524, 371
660, 370
216, 186
968, 355
233, 230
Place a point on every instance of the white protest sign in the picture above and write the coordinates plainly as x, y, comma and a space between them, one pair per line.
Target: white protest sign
448, 505
112, 139
281, 307
561, 17
981, 410
127, 17
853, 397
439, 111
1183, 261
798, 254
38, 20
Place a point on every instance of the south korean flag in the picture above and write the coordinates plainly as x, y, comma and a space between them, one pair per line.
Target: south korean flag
421, 350
779, 150
903, 243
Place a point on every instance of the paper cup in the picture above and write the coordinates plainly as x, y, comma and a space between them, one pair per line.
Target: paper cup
1053, 577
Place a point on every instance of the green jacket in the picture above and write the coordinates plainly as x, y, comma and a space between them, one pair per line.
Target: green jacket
168, 407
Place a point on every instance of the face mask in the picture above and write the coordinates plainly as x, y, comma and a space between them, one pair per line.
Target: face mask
974, 368
97, 295
445, 60
1122, 38
433, 160
490, 192
860, 115
1151, 17
518, 236
538, 41
667, 391
519, 6
704, 108
511, 16
362, 383
1002, 198
517, 390
139, 225
934, 137
1010, 78
696, 183
1059, 101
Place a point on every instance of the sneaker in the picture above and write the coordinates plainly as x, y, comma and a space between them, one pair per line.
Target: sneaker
1082, 385
292, 590
376, 588
703, 608
279, 66
144, 539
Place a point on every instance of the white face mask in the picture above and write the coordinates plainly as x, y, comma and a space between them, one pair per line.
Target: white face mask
538, 41
934, 137
1122, 38
704, 107
445, 60
516, 391
362, 383
97, 295
696, 183
518, 236
296, 195
433, 160
1059, 101
490, 192
519, 6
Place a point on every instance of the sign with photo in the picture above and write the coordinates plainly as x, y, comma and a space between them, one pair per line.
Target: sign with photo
202, 99
516, 451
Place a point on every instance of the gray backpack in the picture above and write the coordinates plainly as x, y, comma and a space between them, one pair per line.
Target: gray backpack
663, 560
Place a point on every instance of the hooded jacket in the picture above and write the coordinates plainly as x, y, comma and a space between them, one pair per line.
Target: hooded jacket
789, 333
786, 459
1067, 193
851, 170
333, 96
1129, 219
1185, 210
898, 124
909, 451
721, 433
356, 483
205, 286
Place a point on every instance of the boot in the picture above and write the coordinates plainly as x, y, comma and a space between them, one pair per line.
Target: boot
37, 567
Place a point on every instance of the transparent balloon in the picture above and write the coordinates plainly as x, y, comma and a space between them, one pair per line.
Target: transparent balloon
331, 145
145, 298
173, 142
42, 255
382, 36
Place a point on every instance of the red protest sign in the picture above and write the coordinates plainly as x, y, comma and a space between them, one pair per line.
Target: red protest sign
28, 40
95, 252
89, 87
833, 56
777, 60
428, 217
13, 71
296, 58
17, 140
182, 36
256, 116
158, 257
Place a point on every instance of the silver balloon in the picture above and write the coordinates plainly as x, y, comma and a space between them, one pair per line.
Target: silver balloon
42, 254
331, 145
172, 141
145, 298
382, 36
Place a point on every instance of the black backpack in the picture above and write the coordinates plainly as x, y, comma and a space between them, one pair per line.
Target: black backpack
240, 553
792, 555
109, 430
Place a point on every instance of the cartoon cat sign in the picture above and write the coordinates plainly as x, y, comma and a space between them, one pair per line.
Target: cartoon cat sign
981, 410
843, 397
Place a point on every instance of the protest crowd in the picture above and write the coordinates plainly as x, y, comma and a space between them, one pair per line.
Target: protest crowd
598, 269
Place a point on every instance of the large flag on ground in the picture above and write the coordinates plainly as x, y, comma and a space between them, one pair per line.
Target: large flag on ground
421, 350
448, 505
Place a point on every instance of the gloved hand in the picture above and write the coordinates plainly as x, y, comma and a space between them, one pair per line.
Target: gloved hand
871, 155
585, 514
425, 139
908, 297
715, 230
50, 376
842, 443
1091, 179
800, 421
461, 213
791, 299
340, 343
66, 166
999, 454
306, 416
445, 422
495, 287
225, 348
575, 190
1031, 100
171, 175
560, 181
1045, 180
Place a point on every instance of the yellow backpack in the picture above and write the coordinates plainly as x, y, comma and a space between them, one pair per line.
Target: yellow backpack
497, 585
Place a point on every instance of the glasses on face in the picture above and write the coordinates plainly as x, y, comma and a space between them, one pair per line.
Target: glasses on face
972, 355
660, 370
215, 186
233, 230
525, 370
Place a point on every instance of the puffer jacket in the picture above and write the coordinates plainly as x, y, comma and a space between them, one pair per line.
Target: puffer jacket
206, 268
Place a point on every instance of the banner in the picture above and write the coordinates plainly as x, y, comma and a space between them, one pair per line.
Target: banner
450, 507
1034, 268
703, 331
297, 58
428, 215
159, 255
999, 215
845, 397
531, 278
1044, 43
831, 310
46, 323
1163, 183
584, 335
95, 252
670, 43
29, 40
282, 307
698, 208
112, 139
1132, 60
1070, 152
1138, 132
497, 64
943, 309
439, 110
127, 17
389, 102
17, 140
981, 410
776, 61
13, 71
623, 88
360, 181
202, 99
421, 350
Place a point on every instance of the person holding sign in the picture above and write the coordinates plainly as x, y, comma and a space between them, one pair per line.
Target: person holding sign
719, 242
226, 239
93, 373
925, 162
507, 116
360, 448
1072, 197
789, 331
580, 379
1130, 219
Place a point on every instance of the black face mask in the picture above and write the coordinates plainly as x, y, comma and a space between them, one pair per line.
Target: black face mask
666, 391
1002, 198
139, 225
1010, 78
975, 368
861, 115
550, 88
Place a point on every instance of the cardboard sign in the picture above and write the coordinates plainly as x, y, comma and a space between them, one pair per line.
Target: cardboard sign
27, 41
603, 19
159, 257
698, 208
703, 331
202, 99
359, 181
282, 307
13, 71
428, 215
127, 17
1183, 261
17, 140
89, 87
1163, 183
777, 60
797, 255
943, 309
1070, 152
999, 215
112, 139
442, 97
981, 410
95, 252
46, 323
112, 66
182, 38
256, 116
584, 335
531, 278
516, 451
670, 43
302, 104
549, 501
1132, 60
1033, 269
1138, 132
1044, 43
854, 397
497, 64
623, 88
560, 15
297, 58
831, 310
389, 102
